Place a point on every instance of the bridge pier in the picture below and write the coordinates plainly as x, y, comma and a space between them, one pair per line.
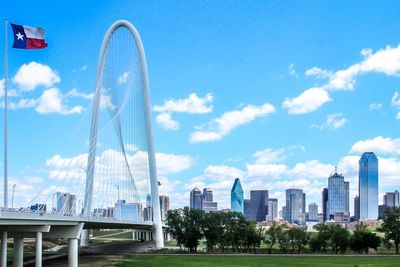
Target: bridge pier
38, 259
18, 257
85, 238
73, 252
4, 249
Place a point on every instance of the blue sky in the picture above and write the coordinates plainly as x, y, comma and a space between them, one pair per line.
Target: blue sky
277, 93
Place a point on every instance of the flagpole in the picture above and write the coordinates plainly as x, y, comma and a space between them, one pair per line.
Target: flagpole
6, 120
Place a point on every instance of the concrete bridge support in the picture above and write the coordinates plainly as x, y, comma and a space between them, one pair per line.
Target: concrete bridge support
4, 248
18, 256
38, 260
73, 252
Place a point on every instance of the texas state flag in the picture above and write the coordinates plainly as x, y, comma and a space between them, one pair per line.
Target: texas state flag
26, 37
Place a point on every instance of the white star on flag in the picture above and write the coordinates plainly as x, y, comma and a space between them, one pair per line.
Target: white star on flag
20, 36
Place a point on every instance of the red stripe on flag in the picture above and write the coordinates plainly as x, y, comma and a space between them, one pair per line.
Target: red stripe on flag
32, 43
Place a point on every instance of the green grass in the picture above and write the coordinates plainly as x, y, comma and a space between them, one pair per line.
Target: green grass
260, 260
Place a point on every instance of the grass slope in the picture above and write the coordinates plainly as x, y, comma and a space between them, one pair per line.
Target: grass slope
255, 261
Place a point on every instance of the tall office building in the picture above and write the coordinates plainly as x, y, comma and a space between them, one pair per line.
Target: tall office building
207, 201
237, 201
294, 206
304, 203
196, 199
258, 205
325, 204
356, 208
338, 191
391, 199
368, 186
207, 194
272, 209
164, 206
313, 212
66, 203
246, 208
284, 213
130, 211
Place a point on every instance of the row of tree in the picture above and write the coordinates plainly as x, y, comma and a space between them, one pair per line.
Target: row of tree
223, 231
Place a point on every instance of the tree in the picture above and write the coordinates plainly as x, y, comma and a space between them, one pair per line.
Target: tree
252, 236
192, 221
283, 238
213, 229
298, 238
339, 239
362, 240
316, 243
321, 240
174, 223
272, 236
391, 226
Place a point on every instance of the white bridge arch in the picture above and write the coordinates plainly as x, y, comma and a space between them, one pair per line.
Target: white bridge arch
90, 172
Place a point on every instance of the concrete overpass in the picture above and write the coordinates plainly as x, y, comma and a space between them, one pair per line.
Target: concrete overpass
19, 225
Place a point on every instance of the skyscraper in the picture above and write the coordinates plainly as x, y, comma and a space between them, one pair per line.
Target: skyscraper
258, 205
246, 208
66, 203
338, 190
207, 201
164, 206
272, 208
207, 194
356, 208
237, 203
347, 197
196, 199
304, 203
294, 206
313, 212
325, 204
368, 186
391, 199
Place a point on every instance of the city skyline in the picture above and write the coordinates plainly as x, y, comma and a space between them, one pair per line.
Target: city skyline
235, 103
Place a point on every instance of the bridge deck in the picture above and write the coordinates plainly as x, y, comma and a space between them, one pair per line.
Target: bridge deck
15, 218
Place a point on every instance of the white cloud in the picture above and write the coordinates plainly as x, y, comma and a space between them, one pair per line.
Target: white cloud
222, 172
33, 74
333, 121
292, 70
375, 106
272, 171
386, 61
389, 169
165, 120
75, 93
270, 155
308, 101
23, 103
171, 163
123, 78
312, 169
193, 104
318, 73
379, 144
81, 69
222, 126
51, 102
